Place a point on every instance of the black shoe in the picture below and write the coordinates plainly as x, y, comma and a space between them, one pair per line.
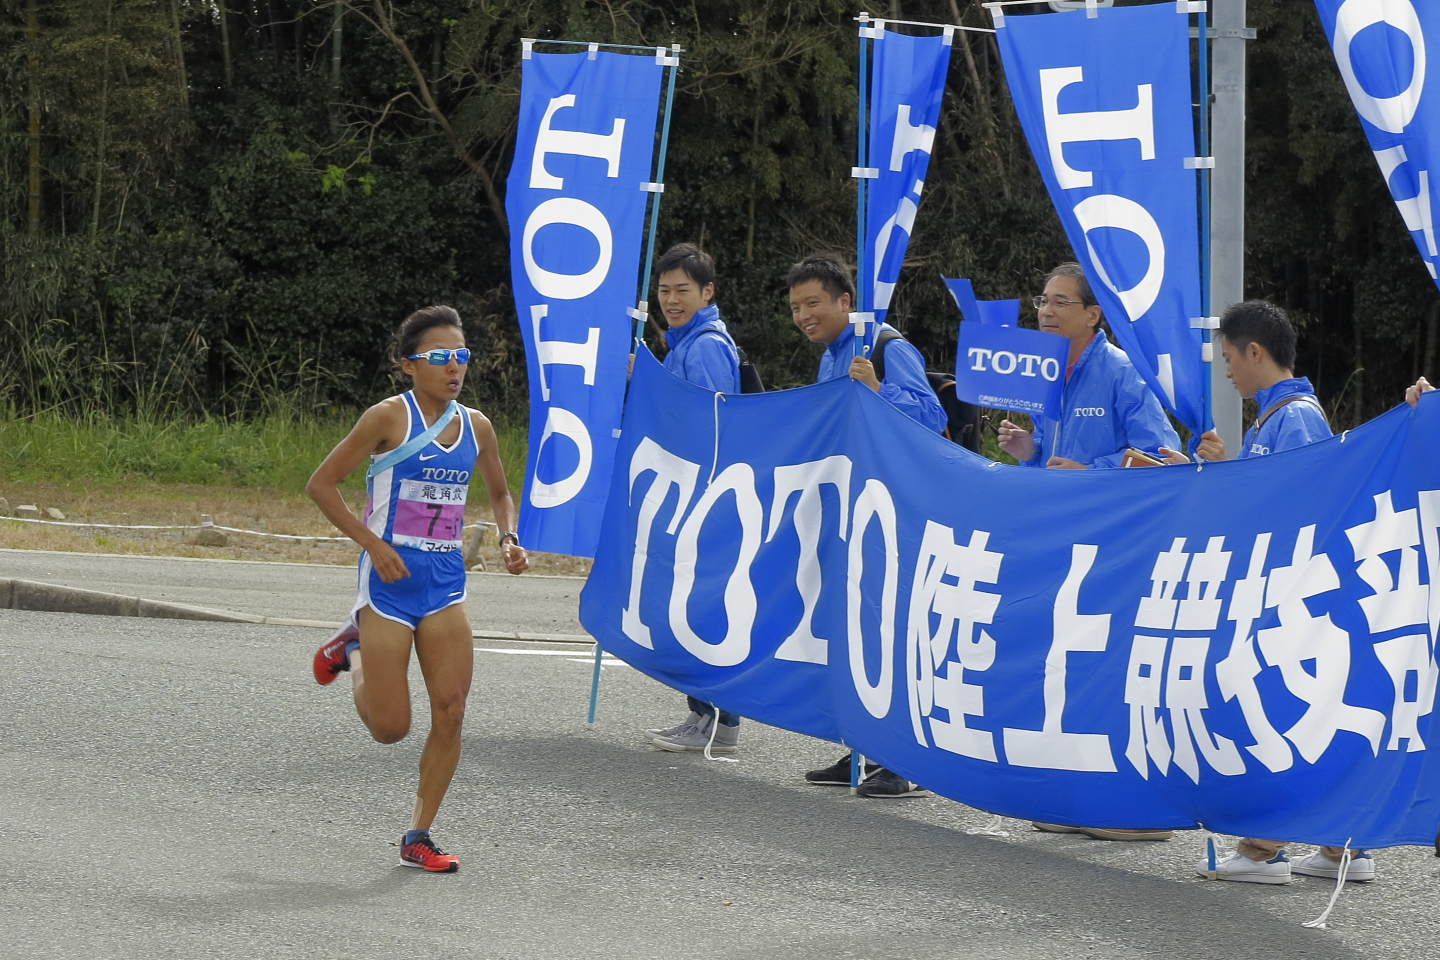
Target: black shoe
835, 775
838, 773
884, 784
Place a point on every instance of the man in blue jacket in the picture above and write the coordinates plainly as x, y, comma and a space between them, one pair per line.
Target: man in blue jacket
1258, 343
1105, 408
821, 298
702, 352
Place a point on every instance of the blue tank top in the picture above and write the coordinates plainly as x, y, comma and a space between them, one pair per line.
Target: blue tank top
420, 502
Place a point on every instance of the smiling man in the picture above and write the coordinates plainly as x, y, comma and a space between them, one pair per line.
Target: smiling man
702, 352
1106, 407
821, 298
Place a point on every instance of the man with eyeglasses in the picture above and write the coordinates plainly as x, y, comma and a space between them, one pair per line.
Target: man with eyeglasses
1105, 408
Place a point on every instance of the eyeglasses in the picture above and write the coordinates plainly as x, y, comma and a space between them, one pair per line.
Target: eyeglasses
1040, 302
439, 358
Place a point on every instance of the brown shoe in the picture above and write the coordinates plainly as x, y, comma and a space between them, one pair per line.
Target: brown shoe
1118, 833
1055, 827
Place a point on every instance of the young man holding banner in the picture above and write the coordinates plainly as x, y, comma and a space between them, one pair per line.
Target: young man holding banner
1412, 394
1106, 408
702, 352
1258, 342
821, 298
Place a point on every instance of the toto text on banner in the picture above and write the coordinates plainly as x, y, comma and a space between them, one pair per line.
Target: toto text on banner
576, 202
1236, 645
1388, 52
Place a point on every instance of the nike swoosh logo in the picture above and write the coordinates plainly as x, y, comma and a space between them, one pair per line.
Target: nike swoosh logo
457, 593
431, 457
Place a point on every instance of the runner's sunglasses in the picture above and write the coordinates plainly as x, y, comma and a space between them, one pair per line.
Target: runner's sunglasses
440, 357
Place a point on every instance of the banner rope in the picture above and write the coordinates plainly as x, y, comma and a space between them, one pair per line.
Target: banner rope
714, 728
715, 460
991, 828
1319, 922
880, 22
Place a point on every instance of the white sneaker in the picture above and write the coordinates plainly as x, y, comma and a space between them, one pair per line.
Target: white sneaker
1239, 867
690, 720
1361, 870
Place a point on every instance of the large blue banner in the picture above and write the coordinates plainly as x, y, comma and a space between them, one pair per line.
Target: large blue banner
1105, 103
905, 94
576, 203
1234, 644
1383, 50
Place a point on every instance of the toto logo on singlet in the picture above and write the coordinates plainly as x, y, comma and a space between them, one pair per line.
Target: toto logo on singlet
1089, 411
445, 476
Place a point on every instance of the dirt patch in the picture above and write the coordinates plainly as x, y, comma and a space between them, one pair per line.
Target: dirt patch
248, 508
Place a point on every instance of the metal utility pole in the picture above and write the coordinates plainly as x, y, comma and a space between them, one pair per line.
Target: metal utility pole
1227, 211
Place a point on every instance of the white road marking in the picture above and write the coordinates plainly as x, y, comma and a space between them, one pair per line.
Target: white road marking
605, 661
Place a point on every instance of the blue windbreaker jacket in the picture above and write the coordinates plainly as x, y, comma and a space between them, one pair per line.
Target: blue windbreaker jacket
1105, 408
703, 352
1293, 425
905, 385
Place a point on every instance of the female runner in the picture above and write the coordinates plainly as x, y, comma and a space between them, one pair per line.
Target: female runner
412, 570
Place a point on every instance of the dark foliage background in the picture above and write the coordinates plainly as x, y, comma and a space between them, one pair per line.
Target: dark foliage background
238, 202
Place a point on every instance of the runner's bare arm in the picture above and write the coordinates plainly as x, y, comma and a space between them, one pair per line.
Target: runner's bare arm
492, 472
380, 428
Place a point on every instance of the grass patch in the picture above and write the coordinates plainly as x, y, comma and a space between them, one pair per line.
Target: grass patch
277, 452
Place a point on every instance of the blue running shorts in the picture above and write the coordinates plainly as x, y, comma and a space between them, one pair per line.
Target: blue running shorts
436, 581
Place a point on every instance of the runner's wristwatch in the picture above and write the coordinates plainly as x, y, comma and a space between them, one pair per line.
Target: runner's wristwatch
511, 537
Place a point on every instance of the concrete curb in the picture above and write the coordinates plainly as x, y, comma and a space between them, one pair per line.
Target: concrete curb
54, 598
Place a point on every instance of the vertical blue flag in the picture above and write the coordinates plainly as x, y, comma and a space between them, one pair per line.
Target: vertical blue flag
1003, 313
963, 293
576, 201
905, 95
1381, 50
1105, 104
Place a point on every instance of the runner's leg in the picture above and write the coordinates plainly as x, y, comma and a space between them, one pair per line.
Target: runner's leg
446, 653
382, 695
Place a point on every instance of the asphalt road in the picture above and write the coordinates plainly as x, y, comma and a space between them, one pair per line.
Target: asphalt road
184, 789
300, 591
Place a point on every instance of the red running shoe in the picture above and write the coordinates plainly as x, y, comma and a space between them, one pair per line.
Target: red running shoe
331, 659
423, 853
